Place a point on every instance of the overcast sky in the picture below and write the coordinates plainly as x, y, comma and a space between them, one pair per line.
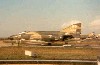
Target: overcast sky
48, 15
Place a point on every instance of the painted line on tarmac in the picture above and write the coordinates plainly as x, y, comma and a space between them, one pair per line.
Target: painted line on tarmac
42, 46
85, 61
53, 46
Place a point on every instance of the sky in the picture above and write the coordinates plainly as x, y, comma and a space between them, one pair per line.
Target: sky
48, 15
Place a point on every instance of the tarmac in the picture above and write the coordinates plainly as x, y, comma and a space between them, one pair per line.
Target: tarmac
2, 44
